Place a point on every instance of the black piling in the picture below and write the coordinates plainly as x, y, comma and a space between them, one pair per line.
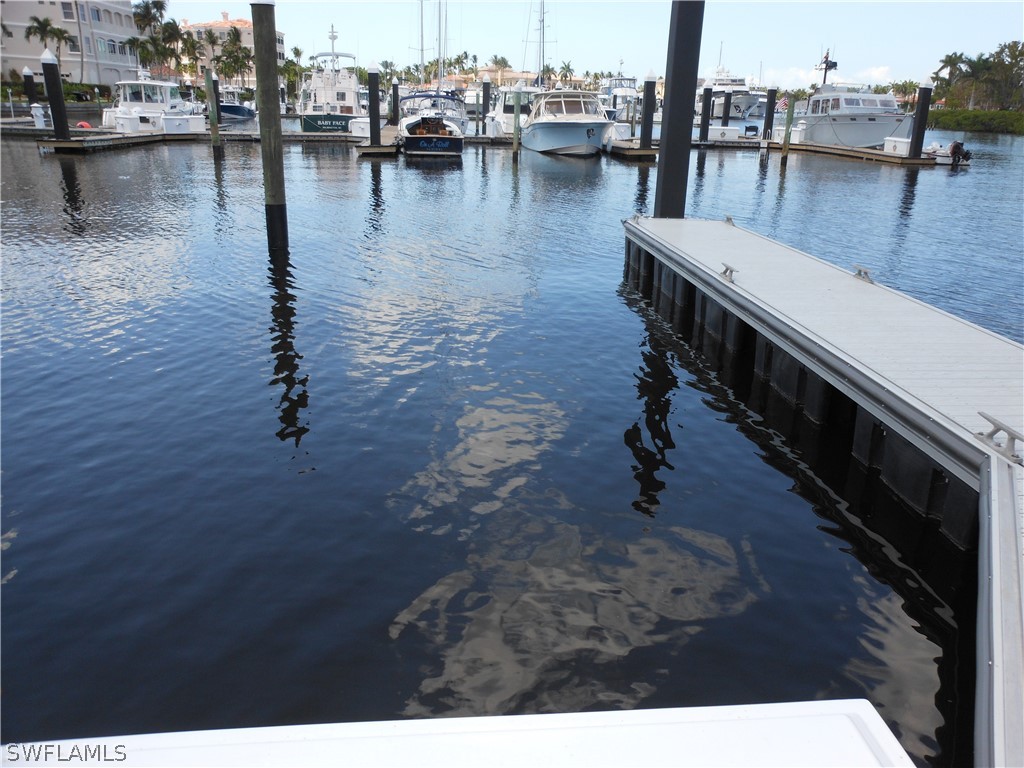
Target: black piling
769, 114
487, 101
55, 93
647, 120
373, 76
727, 109
213, 110
394, 102
705, 114
924, 100
685, 27
30, 86
264, 30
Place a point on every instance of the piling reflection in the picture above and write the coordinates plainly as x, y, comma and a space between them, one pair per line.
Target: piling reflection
643, 184
294, 396
698, 177
375, 216
73, 206
655, 383
916, 610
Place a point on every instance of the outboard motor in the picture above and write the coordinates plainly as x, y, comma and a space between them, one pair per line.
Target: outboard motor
957, 153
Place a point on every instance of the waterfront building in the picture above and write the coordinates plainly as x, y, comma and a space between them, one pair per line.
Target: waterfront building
96, 50
220, 29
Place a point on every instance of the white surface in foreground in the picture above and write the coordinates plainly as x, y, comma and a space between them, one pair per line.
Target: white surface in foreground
820, 733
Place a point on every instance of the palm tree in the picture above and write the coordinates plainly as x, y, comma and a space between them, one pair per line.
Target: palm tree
5, 31
42, 28
192, 50
500, 63
565, 73
62, 37
212, 41
142, 47
547, 74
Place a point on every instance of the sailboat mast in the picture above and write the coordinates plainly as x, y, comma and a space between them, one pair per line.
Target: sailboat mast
422, 67
540, 49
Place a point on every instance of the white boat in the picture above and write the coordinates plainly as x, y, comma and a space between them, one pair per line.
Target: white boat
849, 116
329, 95
566, 123
500, 121
741, 99
231, 106
145, 104
954, 153
432, 124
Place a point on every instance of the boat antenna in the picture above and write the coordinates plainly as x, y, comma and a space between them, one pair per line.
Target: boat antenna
826, 66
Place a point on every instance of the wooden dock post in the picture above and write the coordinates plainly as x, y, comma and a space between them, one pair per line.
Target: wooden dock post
924, 100
55, 93
373, 76
685, 27
789, 128
705, 114
213, 110
264, 30
647, 120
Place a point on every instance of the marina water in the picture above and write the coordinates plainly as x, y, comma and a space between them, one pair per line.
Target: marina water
439, 462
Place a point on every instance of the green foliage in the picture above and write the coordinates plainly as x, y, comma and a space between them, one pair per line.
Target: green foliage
986, 81
980, 121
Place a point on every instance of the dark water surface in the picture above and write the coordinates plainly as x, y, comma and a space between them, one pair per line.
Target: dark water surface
439, 462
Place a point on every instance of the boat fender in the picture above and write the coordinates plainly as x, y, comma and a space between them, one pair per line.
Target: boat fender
83, 124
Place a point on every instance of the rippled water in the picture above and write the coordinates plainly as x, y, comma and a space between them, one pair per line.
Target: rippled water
439, 461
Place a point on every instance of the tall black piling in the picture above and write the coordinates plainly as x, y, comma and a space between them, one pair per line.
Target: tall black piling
726, 108
685, 27
769, 114
373, 76
213, 111
647, 120
487, 102
706, 107
30, 86
55, 93
394, 102
924, 100
265, 52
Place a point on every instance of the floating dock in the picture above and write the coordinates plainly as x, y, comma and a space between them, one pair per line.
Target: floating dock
939, 405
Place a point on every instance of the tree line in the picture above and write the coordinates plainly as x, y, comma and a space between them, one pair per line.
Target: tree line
993, 81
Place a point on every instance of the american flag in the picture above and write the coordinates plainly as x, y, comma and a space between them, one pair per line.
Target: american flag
783, 104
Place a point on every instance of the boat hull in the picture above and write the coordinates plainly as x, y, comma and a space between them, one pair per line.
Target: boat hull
432, 146
326, 123
233, 112
572, 138
861, 131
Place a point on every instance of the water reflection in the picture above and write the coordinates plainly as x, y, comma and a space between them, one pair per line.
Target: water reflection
643, 174
698, 178
546, 617
294, 395
655, 384
73, 206
375, 217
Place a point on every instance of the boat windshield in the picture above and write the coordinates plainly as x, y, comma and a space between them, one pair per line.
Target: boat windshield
572, 104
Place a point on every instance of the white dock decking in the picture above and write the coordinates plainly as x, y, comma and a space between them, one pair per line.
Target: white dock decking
924, 373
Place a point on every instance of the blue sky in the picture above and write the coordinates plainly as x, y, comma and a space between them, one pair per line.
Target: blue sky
777, 43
